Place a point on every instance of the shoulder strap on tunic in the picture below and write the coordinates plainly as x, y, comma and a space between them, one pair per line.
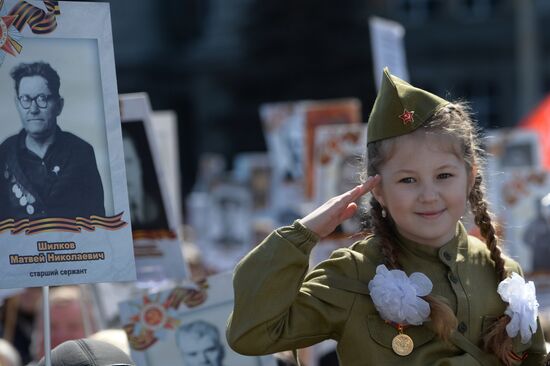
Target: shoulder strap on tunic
348, 284
464, 344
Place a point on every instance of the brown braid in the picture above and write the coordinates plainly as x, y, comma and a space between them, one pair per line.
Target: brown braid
453, 120
496, 340
488, 231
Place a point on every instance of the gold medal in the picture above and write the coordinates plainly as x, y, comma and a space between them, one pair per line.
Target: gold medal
402, 344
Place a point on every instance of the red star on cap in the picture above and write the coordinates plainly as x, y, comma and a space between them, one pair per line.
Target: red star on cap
407, 117
5, 40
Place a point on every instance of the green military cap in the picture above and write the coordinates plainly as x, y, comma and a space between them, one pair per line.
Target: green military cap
400, 108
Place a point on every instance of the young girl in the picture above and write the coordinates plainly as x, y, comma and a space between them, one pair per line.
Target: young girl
419, 291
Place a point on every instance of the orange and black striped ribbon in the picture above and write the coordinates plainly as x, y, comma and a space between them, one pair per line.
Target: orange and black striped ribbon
153, 234
39, 21
75, 225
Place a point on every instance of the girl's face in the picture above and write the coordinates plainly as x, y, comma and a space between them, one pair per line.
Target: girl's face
424, 188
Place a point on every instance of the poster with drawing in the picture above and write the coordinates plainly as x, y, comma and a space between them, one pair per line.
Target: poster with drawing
154, 222
64, 214
184, 326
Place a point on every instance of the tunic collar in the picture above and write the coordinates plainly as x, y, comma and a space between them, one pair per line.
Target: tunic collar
448, 253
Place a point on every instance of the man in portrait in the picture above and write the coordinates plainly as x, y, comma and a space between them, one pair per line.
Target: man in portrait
199, 344
45, 171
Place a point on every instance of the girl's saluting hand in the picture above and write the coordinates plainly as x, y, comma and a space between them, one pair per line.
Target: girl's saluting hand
325, 218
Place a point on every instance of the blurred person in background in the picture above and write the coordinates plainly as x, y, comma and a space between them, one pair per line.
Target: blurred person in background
71, 317
8, 354
86, 351
116, 337
18, 315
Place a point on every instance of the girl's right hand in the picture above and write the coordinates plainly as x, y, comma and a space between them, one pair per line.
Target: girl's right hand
324, 219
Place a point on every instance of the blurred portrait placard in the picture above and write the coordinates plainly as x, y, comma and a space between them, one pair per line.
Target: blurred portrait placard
514, 149
337, 164
184, 326
254, 171
229, 236
283, 125
322, 113
63, 200
525, 214
154, 225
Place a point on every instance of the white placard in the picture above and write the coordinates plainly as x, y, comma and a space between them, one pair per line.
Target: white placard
388, 50
157, 245
66, 219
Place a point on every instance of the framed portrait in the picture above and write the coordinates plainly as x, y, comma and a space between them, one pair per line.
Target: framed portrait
283, 124
184, 326
254, 170
322, 113
514, 149
230, 234
525, 216
511, 153
157, 245
64, 210
337, 165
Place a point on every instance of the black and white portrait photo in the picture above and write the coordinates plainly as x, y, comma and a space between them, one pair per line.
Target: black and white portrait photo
46, 171
146, 206
200, 344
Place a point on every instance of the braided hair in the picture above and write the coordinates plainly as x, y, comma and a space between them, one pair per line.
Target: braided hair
453, 120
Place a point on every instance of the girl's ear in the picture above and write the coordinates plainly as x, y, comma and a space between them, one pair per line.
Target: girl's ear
377, 193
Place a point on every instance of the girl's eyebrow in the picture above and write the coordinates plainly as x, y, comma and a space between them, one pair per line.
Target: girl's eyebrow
410, 171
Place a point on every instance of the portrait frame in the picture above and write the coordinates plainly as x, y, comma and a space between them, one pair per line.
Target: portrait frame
165, 128
154, 341
157, 243
56, 250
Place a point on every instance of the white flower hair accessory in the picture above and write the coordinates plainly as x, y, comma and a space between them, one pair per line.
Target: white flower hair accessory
522, 306
396, 296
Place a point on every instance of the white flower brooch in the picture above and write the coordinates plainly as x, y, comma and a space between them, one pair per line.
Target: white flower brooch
522, 306
396, 296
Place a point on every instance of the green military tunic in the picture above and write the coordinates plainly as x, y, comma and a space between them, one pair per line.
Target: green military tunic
277, 309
